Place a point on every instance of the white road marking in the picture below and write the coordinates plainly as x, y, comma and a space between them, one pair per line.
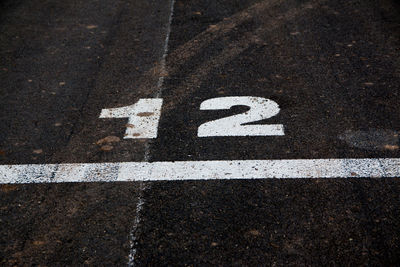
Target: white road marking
163, 73
143, 117
260, 109
135, 227
199, 170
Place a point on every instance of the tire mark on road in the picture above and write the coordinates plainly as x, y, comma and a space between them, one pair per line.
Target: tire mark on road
231, 51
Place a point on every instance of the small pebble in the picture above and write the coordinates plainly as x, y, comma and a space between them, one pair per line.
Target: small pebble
106, 148
37, 151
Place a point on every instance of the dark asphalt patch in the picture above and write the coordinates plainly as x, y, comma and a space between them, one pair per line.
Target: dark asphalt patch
271, 222
61, 63
66, 224
333, 69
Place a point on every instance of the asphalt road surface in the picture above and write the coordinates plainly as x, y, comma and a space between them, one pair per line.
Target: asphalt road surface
88, 86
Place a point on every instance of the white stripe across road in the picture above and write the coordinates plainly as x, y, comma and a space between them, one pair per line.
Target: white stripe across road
200, 170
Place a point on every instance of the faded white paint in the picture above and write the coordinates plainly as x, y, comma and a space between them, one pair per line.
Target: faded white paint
135, 230
260, 109
143, 117
200, 170
135, 227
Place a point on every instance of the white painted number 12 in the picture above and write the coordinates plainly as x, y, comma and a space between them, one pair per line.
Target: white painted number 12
144, 115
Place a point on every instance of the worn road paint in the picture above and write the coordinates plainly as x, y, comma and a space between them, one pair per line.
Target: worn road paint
135, 230
135, 227
143, 117
199, 170
260, 109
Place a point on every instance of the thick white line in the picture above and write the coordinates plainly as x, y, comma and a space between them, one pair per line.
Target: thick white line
199, 170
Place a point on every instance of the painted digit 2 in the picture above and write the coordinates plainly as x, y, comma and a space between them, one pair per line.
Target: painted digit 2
260, 109
143, 117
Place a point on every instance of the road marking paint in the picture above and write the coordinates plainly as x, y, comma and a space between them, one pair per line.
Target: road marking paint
135, 227
135, 230
199, 170
260, 109
143, 117
164, 72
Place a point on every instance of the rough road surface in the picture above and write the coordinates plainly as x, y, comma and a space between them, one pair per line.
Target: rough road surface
327, 71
